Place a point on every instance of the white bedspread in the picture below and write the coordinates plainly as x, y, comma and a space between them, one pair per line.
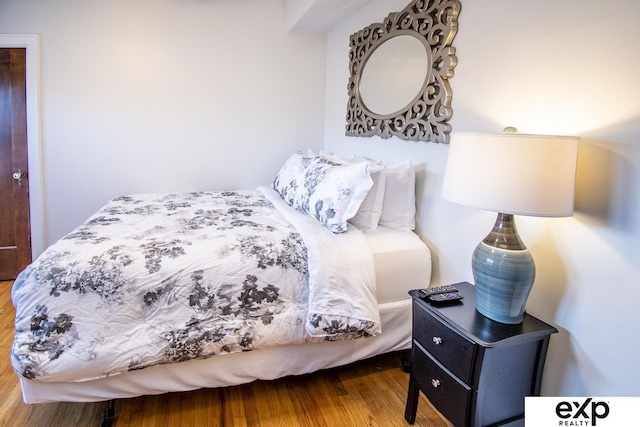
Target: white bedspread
164, 278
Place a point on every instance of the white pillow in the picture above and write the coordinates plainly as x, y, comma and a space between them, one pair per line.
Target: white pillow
333, 191
399, 206
370, 211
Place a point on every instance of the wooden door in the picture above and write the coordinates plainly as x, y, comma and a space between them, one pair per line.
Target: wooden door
15, 236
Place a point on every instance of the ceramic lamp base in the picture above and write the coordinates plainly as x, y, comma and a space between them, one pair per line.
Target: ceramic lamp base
504, 271
504, 279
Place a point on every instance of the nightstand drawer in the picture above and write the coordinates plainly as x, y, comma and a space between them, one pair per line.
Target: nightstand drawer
452, 350
443, 390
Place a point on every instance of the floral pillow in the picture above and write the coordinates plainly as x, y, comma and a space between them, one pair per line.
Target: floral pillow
290, 177
333, 190
369, 212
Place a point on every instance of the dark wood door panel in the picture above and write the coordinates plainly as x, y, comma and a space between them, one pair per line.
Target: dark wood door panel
15, 236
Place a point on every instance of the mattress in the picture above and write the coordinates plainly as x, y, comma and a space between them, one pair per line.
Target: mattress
233, 369
402, 262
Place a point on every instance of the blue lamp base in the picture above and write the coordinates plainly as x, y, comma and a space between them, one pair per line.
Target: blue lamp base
504, 271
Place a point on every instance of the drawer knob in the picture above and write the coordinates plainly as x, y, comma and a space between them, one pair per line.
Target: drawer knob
437, 340
435, 383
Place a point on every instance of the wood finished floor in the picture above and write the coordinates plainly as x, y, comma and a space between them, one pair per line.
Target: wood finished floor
366, 393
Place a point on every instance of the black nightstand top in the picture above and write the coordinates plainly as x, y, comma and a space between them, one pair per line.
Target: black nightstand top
465, 318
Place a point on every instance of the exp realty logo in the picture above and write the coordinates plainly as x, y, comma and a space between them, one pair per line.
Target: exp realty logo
581, 411
586, 413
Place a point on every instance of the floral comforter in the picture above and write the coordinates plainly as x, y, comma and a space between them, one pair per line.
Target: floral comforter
163, 278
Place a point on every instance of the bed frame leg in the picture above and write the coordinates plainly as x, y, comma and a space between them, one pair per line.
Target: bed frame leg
109, 414
406, 361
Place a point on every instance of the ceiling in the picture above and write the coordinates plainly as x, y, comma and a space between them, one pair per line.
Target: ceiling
319, 16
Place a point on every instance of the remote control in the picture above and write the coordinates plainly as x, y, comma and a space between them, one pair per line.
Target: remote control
445, 298
437, 290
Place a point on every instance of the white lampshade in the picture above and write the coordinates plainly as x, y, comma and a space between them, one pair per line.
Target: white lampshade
512, 173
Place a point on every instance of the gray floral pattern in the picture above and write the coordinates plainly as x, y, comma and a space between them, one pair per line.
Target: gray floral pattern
290, 178
153, 279
47, 336
328, 189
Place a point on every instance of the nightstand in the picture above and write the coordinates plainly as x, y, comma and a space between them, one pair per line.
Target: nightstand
475, 371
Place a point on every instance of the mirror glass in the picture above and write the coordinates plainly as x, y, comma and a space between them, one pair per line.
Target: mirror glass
394, 74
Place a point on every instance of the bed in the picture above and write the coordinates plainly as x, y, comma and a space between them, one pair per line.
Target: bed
159, 293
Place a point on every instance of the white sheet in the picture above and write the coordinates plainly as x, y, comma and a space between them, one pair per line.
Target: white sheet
333, 270
402, 262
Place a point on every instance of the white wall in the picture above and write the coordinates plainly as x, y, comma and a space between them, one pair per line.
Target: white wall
567, 67
162, 95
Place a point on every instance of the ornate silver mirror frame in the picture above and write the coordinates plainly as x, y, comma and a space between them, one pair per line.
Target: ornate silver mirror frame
425, 118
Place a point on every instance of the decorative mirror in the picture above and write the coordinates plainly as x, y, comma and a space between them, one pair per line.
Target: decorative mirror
400, 70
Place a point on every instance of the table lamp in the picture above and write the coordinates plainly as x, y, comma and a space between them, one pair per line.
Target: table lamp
511, 174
